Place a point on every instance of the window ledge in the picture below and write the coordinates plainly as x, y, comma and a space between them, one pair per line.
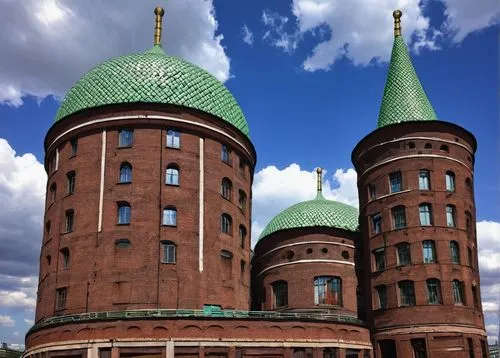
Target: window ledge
168, 263
72, 156
123, 147
123, 183
176, 148
167, 225
124, 224
175, 185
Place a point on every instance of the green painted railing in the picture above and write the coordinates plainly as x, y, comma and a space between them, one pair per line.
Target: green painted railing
211, 312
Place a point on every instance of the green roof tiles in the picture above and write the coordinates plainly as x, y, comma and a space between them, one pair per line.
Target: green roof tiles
404, 98
153, 77
319, 212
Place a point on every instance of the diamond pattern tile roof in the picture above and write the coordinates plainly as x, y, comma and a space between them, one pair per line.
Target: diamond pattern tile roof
153, 77
319, 212
404, 98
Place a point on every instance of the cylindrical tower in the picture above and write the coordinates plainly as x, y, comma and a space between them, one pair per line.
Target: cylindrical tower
150, 170
305, 259
417, 219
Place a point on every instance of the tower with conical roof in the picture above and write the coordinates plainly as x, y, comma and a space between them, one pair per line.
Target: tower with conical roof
417, 220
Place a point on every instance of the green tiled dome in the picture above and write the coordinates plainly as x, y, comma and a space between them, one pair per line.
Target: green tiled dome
153, 77
319, 212
404, 98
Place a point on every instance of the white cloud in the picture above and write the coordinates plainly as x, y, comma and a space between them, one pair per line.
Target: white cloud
364, 36
7, 321
52, 43
464, 17
247, 35
16, 299
29, 322
276, 33
276, 189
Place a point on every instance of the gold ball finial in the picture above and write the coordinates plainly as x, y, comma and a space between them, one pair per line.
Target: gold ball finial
319, 172
397, 22
159, 12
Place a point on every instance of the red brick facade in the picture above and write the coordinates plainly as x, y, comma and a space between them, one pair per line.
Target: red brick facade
445, 314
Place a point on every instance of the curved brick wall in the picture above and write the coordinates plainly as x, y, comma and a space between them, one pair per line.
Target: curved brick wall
408, 148
102, 275
298, 256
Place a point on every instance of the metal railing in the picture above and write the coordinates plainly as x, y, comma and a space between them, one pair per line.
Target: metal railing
189, 313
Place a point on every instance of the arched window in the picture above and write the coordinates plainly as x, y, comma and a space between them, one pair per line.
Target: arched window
71, 180
468, 183
411, 145
53, 192
225, 188
225, 154
450, 216
424, 180
406, 293
172, 175
243, 236
242, 200
124, 213
280, 293
173, 139
65, 257
454, 252
398, 217
226, 223
74, 146
444, 148
429, 251
428, 146
450, 181
125, 173
425, 211
382, 296
395, 182
169, 252
69, 222
458, 292
125, 138
169, 216
328, 290
434, 291
404, 255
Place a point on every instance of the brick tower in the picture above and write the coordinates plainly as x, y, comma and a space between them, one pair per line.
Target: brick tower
417, 219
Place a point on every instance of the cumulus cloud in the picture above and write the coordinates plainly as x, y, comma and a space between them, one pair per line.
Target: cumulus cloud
52, 43
29, 322
276, 189
7, 321
367, 37
247, 35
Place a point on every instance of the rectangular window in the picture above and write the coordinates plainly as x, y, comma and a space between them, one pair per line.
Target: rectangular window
169, 217
169, 254
70, 220
65, 257
469, 256
425, 214
429, 251
379, 255
399, 217
433, 291
396, 182
61, 294
377, 223
458, 292
280, 291
484, 350
225, 154
328, 290
404, 256
125, 138
372, 190
74, 146
406, 293
475, 298
173, 139
419, 349
382, 296
454, 252
71, 178
450, 215
424, 180
450, 181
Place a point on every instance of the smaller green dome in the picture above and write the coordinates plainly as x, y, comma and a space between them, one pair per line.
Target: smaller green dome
319, 212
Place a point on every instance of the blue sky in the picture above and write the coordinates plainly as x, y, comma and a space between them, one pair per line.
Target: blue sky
304, 110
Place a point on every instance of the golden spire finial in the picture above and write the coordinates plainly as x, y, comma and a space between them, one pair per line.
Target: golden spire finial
159, 12
319, 172
397, 22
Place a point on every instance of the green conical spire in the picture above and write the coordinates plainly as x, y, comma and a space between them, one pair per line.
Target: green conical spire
404, 98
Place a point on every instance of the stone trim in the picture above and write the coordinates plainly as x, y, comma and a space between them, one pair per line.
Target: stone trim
437, 328
305, 243
307, 261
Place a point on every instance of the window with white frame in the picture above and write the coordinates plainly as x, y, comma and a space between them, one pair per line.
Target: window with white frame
173, 139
